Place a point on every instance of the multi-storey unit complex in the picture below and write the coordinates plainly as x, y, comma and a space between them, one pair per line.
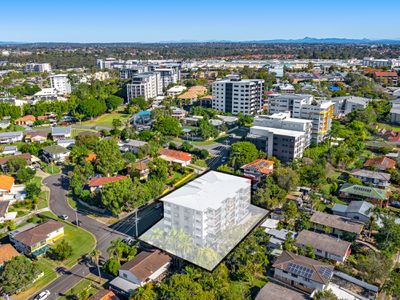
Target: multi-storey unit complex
378, 63
347, 104
169, 73
281, 136
144, 85
132, 71
305, 107
37, 67
235, 95
60, 83
207, 206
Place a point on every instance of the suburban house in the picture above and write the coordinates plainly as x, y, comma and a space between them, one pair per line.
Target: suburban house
55, 153
140, 168
36, 136
257, 169
103, 295
360, 211
389, 77
302, 272
132, 146
96, 183
4, 214
5, 123
11, 137
324, 245
8, 150
278, 237
36, 240
273, 291
66, 143
60, 133
360, 192
337, 224
26, 120
380, 163
6, 187
175, 156
378, 179
145, 267
7, 252
6, 159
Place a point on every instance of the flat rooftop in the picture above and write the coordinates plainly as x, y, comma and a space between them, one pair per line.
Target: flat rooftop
279, 131
207, 191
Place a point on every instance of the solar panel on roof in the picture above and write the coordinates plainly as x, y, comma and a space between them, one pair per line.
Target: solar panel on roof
325, 272
300, 270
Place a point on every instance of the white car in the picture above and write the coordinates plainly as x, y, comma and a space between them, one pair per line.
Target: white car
64, 217
43, 295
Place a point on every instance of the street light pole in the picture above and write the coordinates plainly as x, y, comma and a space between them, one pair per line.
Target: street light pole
136, 224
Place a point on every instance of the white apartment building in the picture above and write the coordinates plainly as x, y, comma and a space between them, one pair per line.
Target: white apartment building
347, 104
378, 63
61, 83
145, 85
305, 107
235, 95
207, 206
38, 67
167, 76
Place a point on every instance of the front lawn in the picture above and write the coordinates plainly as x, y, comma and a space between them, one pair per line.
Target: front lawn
106, 119
52, 169
81, 241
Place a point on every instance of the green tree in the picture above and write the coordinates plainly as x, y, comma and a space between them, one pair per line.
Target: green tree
310, 252
287, 179
325, 295
243, 153
62, 251
17, 274
146, 292
112, 102
111, 266
290, 210
168, 125
109, 158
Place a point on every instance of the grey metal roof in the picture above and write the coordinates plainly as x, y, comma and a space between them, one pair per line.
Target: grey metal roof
10, 134
60, 130
339, 208
371, 174
361, 207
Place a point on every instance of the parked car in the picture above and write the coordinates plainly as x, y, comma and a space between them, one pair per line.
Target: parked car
77, 223
42, 295
64, 217
128, 241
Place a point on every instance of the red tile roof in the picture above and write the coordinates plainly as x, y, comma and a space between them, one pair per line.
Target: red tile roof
7, 252
385, 74
6, 182
178, 155
382, 161
4, 160
104, 295
261, 165
26, 118
91, 157
96, 182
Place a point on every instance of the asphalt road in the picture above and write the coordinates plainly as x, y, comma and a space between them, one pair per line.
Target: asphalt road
147, 216
58, 185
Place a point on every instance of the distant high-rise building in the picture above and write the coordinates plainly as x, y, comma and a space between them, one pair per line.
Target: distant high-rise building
61, 83
37, 67
235, 95
144, 85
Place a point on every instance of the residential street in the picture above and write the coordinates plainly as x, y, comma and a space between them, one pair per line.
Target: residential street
104, 235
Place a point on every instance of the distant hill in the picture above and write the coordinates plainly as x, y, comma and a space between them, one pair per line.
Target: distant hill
306, 40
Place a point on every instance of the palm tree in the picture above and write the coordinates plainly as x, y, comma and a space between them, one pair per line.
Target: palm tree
95, 256
116, 249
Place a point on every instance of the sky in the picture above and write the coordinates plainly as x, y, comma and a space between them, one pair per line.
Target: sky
202, 20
